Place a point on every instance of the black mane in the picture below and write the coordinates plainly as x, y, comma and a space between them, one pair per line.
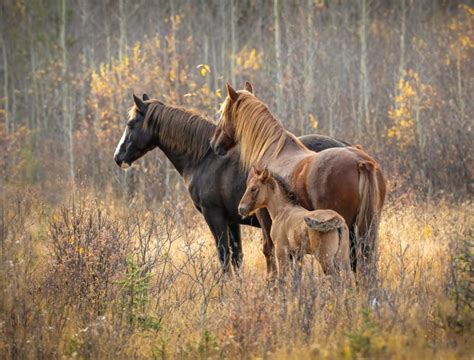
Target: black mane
290, 195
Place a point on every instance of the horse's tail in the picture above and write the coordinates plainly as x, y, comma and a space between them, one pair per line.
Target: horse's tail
315, 222
368, 216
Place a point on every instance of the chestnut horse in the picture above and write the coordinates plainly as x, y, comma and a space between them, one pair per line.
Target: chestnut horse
346, 180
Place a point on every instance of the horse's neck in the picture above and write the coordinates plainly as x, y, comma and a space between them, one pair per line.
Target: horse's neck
181, 162
184, 160
277, 203
283, 161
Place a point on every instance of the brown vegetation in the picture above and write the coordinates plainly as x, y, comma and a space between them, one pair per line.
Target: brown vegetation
100, 279
100, 263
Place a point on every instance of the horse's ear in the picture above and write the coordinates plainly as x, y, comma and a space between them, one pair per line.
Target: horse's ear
249, 87
145, 97
232, 93
255, 170
139, 103
265, 174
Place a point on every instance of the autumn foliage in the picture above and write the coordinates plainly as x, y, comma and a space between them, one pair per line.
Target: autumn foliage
96, 262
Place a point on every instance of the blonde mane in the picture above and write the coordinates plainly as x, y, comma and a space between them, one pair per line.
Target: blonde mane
177, 128
256, 129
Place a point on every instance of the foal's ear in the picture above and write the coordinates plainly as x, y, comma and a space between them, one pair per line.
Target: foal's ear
248, 86
265, 174
232, 93
145, 97
139, 104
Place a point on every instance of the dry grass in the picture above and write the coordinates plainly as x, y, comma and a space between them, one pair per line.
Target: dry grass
97, 279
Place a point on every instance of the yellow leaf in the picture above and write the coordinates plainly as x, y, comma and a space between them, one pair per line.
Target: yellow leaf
427, 231
204, 69
313, 120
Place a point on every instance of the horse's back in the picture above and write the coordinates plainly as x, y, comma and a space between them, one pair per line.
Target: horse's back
317, 143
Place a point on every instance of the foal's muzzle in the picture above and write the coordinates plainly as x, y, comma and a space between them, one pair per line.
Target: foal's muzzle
243, 211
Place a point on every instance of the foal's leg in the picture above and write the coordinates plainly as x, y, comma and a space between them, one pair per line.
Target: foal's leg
268, 248
218, 225
296, 260
235, 245
283, 261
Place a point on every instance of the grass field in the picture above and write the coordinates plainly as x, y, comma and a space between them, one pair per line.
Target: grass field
96, 279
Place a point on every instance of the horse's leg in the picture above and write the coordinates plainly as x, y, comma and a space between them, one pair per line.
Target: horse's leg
268, 248
218, 225
353, 248
235, 245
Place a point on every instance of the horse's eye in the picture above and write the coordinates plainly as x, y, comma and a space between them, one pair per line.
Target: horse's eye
254, 189
130, 125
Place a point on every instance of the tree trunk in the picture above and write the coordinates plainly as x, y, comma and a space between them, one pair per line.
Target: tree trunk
308, 86
68, 116
233, 41
123, 30
364, 82
224, 40
461, 105
276, 15
401, 67
33, 108
5, 86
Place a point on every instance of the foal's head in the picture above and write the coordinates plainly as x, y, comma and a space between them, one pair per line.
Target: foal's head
260, 187
135, 141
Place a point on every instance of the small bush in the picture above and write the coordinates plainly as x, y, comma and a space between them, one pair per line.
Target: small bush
88, 253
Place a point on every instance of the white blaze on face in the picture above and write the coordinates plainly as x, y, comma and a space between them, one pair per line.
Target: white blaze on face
117, 150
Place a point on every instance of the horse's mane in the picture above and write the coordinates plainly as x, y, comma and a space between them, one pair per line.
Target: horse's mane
285, 189
177, 128
256, 129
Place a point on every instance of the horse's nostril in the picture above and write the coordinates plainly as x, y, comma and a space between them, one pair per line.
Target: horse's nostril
117, 161
242, 211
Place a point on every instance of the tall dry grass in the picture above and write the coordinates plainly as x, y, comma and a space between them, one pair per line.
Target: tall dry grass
94, 278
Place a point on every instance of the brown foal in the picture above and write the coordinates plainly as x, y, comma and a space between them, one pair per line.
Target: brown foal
297, 231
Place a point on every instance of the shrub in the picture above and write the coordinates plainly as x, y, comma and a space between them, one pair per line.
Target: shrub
88, 253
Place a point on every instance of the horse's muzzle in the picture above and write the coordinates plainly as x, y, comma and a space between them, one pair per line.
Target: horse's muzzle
121, 163
118, 161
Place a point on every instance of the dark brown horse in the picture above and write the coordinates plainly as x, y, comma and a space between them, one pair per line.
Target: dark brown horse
346, 180
215, 183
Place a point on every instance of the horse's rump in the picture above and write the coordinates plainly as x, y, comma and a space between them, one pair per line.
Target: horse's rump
329, 180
